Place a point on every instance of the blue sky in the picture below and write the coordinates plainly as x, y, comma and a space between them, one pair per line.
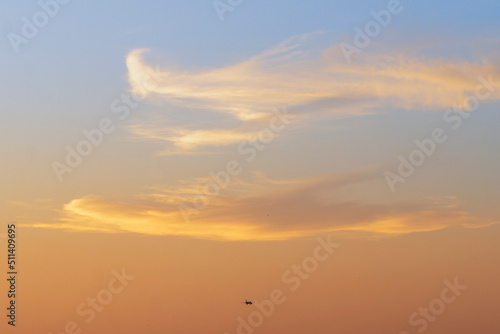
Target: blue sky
65, 78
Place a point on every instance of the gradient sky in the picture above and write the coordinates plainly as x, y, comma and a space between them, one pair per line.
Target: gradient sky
208, 88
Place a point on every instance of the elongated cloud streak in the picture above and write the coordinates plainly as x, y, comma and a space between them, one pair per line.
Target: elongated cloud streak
291, 75
187, 140
264, 210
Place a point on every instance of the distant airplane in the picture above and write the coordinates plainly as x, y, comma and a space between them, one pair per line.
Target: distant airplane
247, 302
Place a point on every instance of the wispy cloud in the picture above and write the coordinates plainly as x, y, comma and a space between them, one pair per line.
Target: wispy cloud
264, 209
184, 140
297, 73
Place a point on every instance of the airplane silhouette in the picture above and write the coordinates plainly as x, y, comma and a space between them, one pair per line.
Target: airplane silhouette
247, 302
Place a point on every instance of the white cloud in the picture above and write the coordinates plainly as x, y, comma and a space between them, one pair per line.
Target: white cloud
291, 75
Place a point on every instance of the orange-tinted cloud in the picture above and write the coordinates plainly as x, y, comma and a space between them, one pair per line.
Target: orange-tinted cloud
185, 141
264, 210
289, 74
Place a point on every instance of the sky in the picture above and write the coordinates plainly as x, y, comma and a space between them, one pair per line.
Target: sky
335, 162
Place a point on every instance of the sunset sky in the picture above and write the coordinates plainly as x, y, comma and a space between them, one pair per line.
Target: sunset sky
210, 148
